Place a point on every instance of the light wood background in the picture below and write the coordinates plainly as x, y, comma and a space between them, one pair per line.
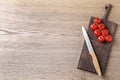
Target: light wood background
42, 39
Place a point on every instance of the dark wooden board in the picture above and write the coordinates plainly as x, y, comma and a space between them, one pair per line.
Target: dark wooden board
102, 50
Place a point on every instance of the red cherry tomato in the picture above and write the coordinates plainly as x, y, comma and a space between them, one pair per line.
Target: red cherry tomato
97, 20
102, 26
97, 32
105, 32
108, 38
94, 26
101, 38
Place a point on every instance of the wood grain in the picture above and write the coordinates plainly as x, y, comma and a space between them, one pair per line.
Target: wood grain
42, 39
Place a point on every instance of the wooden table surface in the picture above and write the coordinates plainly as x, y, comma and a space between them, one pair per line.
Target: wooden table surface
42, 39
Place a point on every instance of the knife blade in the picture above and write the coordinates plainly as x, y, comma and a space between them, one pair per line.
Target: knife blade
91, 51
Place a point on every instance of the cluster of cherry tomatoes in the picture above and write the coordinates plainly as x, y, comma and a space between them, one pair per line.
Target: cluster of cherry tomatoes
100, 31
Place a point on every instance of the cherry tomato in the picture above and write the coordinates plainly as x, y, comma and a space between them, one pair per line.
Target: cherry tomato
108, 38
97, 32
102, 26
94, 26
97, 20
101, 38
105, 32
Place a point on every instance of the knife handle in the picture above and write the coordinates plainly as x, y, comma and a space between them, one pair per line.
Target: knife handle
96, 64
107, 9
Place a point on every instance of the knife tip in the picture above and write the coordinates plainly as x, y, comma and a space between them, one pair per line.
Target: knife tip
83, 28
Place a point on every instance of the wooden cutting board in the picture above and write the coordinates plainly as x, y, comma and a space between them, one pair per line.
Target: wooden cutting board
102, 50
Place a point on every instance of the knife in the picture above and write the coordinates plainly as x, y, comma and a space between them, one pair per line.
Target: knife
91, 51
